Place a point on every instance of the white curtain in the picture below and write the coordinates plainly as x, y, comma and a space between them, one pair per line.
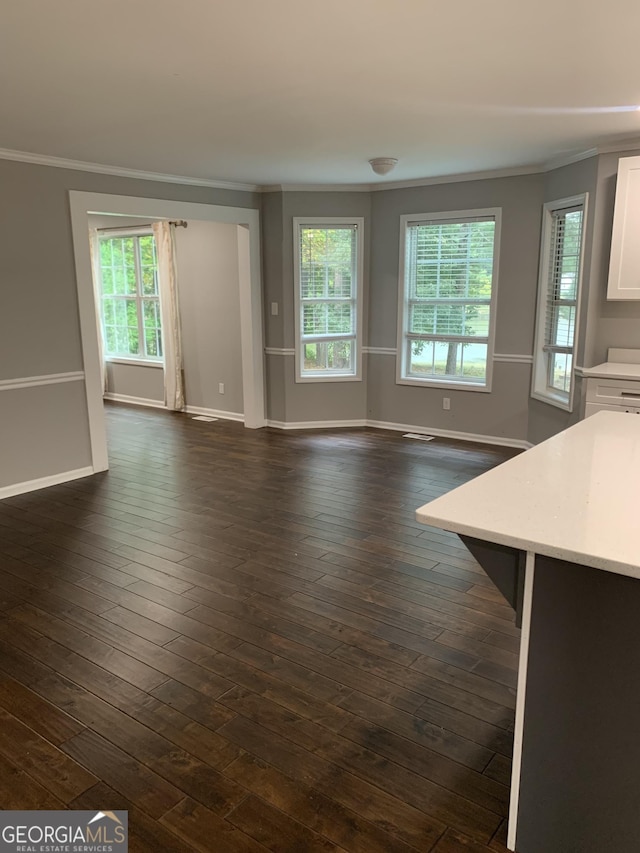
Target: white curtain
94, 246
164, 233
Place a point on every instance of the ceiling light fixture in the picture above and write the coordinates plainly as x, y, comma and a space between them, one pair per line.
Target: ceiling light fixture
383, 165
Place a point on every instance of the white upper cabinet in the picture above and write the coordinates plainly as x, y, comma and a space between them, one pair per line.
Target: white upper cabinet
624, 267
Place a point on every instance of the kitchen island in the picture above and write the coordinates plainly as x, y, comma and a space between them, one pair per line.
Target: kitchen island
558, 529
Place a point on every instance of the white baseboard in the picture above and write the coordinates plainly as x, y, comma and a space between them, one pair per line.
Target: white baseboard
423, 430
215, 413
133, 401
159, 404
316, 424
44, 482
500, 440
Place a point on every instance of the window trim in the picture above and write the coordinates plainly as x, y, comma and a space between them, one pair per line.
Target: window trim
327, 222
136, 362
403, 299
539, 388
140, 360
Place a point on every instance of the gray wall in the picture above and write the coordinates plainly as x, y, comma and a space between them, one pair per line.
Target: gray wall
272, 268
603, 324
208, 286
508, 411
545, 420
40, 334
272, 279
39, 324
290, 400
144, 382
503, 412
43, 431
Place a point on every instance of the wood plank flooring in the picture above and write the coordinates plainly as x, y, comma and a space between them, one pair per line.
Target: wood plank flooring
245, 639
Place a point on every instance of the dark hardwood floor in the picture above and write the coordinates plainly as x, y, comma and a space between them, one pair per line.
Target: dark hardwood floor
245, 639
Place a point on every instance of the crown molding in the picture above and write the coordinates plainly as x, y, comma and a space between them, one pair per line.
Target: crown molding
628, 144
379, 186
456, 179
316, 188
559, 162
624, 144
121, 171
382, 186
536, 169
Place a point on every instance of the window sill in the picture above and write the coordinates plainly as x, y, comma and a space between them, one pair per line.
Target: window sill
328, 377
551, 400
444, 383
137, 362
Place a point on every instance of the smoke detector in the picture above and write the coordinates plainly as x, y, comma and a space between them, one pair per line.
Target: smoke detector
383, 165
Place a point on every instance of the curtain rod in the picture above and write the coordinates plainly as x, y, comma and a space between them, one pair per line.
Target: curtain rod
179, 223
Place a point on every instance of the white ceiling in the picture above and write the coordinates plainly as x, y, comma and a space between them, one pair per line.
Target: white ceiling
285, 91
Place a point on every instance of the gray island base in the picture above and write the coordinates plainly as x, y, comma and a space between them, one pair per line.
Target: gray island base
555, 529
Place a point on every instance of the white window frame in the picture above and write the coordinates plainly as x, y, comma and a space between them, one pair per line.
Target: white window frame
141, 360
402, 376
327, 222
539, 388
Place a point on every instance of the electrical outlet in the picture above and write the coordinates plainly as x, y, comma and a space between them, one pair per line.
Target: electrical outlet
446, 403
274, 309
220, 387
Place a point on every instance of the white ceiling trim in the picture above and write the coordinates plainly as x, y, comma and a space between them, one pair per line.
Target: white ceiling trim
121, 171
316, 188
571, 158
458, 178
622, 145
140, 174
399, 185
628, 144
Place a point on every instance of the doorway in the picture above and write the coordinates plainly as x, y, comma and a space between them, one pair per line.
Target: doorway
246, 222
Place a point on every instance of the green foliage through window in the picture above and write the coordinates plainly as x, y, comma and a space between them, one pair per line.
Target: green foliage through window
327, 293
448, 287
130, 297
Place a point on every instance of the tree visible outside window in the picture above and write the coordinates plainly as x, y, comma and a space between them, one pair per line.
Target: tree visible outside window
328, 283
558, 301
448, 288
130, 297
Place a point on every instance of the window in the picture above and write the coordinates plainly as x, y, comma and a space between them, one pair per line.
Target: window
448, 277
130, 300
558, 301
328, 274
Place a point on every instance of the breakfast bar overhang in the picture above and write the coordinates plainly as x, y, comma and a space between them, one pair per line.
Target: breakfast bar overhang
558, 530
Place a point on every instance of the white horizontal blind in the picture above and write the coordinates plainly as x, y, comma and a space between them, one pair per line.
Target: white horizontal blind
328, 299
563, 274
448, 286
454, 220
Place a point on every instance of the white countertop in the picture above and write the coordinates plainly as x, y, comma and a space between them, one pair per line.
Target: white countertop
613, 370
575, 497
